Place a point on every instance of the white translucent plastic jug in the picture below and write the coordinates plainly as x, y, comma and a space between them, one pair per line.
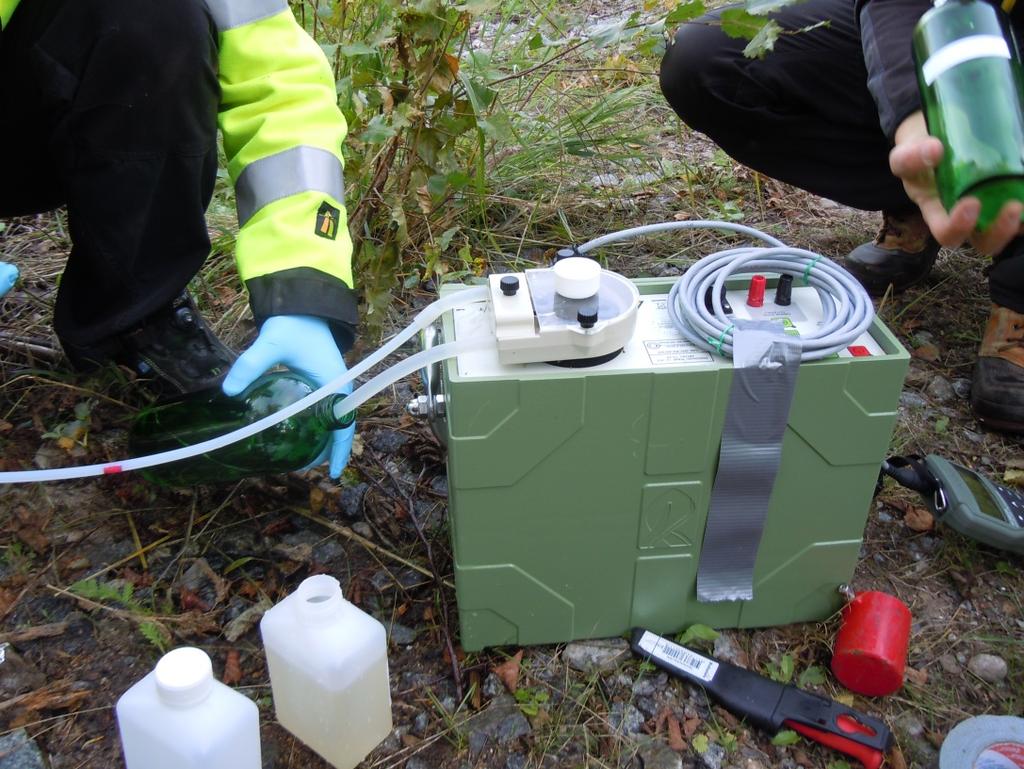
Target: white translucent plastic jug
328, 671
179, 717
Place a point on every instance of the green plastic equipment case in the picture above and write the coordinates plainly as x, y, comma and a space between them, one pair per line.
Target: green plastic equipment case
578, 496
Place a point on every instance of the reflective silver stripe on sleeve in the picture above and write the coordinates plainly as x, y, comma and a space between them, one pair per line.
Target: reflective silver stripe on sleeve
228, 14
300, 169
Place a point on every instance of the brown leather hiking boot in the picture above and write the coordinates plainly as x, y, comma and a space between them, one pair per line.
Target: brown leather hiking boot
901, 254
997, 393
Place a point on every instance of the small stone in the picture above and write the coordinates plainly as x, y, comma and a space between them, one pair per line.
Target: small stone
712, 757
648, 706
940, 390
492, 686
501, 722
388, 441
913, 739
362, 528
625, 718
516, 761
988, 667
18, 675
962, 388
655, 754
598, 656
420, 724
400, 635
726, 648
604, 180
417, 763
912, 400
948, 663
643, 687
352, 500
18, 751
439, 484
884, 517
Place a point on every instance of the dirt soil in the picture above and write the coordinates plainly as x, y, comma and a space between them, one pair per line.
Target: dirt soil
98, 577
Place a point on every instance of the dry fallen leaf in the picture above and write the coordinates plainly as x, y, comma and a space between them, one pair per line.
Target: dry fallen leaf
690, 726
508, 672
895, 759
916, 677
915, 517
474, 682
317, 498
919, 519
1014, 476
675, 734
30, 526
232, 668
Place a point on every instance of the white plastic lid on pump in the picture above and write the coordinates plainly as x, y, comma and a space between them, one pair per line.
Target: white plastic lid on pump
577, 277
184, 676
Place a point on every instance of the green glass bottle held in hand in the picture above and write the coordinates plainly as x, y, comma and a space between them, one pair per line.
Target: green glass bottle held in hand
295, 443
969, 74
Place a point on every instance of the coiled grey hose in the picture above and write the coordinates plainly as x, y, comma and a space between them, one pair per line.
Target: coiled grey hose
847, 310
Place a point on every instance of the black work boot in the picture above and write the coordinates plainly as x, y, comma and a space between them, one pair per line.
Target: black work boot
174, 346
901, 254
997, 393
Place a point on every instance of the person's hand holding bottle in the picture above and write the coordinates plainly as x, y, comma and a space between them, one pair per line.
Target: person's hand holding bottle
304, 344
913, 159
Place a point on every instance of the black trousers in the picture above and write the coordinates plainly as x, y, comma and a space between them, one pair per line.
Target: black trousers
109, 107
802, 114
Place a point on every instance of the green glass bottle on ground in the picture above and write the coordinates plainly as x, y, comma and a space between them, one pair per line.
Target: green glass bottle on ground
292, 444
969, 74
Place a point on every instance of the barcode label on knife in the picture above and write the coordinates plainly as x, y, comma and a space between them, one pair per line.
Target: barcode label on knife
693, 664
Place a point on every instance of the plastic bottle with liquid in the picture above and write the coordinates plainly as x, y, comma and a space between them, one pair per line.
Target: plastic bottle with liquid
179, 717
972, 91
292, 444
328, 672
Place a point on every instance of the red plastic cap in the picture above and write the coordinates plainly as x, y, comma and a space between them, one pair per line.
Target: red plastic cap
755, 294
871, 649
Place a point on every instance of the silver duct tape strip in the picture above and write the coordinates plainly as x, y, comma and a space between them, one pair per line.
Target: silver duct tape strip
765, 366
287, 173
228, 14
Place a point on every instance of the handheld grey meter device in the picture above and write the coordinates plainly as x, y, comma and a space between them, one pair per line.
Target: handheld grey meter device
964, 499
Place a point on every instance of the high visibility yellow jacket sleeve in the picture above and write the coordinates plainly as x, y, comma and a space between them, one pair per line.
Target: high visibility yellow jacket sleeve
283, 133
6, 9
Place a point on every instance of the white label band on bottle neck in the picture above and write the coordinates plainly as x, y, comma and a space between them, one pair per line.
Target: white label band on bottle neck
965, 49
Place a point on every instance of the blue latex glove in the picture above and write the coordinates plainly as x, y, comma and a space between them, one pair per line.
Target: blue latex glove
305, 345
8, 275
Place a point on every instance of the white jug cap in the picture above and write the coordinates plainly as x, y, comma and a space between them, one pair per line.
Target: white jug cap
319, 596
577, 277
184, 676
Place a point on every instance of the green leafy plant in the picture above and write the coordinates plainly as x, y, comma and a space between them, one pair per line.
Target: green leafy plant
812, 676
123, 593
531, 700
106, 592
697, 632
783, 670
786, 737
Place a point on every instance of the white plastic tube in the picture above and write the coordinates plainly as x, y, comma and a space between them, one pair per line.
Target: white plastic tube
423, 319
